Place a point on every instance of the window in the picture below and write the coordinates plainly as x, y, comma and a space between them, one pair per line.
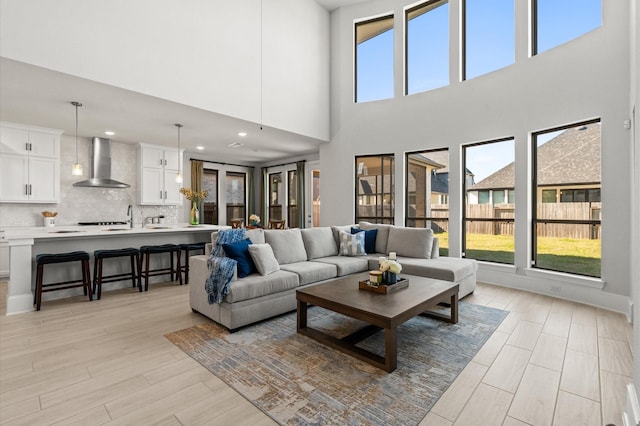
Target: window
292, 202
427, 194
276, 196
558, 21
374, 59
210, 184
375, 188
489, 36
236, 196
488, 221
567, 229
427, 46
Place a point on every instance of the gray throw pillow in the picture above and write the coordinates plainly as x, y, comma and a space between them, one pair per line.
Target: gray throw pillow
337, 229
287, 245
410, 242
319, 242
352, 244
255, 235
263, 258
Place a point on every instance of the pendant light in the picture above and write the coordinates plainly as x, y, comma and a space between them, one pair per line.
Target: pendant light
179, 175
76, 169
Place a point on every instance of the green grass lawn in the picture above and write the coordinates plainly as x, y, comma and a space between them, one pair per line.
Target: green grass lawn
577, 256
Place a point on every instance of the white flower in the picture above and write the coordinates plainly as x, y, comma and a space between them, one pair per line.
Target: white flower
254, 218
391, 266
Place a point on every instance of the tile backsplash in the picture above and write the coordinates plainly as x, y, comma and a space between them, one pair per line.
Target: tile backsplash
79, 204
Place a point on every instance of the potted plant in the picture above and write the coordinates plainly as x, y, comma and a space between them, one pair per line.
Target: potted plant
195, 197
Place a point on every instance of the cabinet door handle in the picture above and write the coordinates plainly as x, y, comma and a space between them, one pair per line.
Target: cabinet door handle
165, 195
161, 194
29, 189
26, 189
165, 162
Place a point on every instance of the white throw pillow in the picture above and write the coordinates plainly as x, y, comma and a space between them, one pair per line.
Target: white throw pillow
263, 258
352, 244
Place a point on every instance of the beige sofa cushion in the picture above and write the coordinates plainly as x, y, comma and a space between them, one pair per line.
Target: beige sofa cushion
347, 265
319, 242
410, 242
311, 272
255, 285
287, 245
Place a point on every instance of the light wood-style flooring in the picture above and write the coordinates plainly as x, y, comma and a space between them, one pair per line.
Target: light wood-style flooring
106, 362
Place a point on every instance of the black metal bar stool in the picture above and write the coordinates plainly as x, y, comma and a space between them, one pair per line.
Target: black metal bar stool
47, 259
99, 278
184, 264
145, 255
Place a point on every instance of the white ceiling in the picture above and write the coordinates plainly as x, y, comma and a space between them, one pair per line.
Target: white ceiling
41, 97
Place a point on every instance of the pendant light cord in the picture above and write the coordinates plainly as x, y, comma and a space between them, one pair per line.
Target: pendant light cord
261, 58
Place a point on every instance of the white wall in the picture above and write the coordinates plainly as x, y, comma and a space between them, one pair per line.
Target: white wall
635, 192
200, 53
585, 78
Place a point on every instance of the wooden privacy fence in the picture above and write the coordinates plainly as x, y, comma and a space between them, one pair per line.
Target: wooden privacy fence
499, 219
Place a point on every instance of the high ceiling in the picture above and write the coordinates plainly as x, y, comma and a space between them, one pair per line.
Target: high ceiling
42, 97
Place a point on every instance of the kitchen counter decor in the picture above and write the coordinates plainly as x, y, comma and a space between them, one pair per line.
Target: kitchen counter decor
196, 198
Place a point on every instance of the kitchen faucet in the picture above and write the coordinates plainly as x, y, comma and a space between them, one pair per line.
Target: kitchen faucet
130, 215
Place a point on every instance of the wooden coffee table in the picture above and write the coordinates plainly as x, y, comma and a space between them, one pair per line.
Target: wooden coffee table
381, 311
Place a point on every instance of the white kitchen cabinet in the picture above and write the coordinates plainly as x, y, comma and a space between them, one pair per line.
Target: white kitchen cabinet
157, 169
29, 164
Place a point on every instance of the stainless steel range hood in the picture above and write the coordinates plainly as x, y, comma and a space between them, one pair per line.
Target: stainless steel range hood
101, 167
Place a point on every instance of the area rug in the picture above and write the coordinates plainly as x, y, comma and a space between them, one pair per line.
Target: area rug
297, 381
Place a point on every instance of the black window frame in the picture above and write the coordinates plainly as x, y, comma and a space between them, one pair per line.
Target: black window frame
377, 219
355, 48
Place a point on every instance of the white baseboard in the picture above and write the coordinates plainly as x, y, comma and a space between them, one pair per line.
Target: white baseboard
631, 415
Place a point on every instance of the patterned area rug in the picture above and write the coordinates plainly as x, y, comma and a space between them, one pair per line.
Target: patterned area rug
296, 380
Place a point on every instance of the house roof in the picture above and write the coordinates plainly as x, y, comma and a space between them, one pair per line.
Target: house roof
572, 157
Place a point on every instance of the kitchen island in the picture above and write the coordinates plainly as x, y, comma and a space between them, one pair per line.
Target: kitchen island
26, 243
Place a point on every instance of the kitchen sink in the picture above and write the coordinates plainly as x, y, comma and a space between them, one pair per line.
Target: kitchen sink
63, 231
116, 229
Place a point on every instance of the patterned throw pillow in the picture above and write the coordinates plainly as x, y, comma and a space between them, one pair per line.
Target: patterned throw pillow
352, 244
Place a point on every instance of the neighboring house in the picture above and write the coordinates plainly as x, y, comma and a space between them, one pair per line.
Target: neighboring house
568, 171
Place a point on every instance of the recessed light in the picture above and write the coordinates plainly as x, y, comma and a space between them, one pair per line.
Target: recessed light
200, 147
242, 134
235, 145
109, 133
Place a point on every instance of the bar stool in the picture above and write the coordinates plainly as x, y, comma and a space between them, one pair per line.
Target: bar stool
47, 259
186, 248
145, 255
99, 278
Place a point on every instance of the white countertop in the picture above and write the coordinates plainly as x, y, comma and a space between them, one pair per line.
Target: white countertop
76, 231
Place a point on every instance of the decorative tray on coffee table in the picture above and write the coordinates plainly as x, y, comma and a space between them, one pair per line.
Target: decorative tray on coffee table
384, 288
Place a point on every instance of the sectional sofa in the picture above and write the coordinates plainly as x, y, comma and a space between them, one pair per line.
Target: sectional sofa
302, 257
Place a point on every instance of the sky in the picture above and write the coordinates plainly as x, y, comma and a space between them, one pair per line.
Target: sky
490, 28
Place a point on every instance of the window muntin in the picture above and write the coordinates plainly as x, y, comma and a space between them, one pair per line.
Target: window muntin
375, 188
488, 231
427, 194
210, 184
374, 59
489, 36
558, 21
236, 196
567, 231
427, 46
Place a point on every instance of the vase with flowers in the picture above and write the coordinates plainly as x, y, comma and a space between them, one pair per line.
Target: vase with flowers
254, 220
390, 270
195, 197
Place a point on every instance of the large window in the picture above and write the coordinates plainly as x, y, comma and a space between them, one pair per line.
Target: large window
567, 212
427, 194
375, 188
489, 36
374, 59
236, 197
210, 184
558, 21
427, 46
489, 213
276, 196
292, 199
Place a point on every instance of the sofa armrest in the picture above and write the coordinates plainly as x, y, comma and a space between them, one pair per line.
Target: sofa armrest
207, 249
435, 249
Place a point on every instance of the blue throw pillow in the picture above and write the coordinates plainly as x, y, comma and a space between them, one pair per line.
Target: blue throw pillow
369, 238
240, 253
